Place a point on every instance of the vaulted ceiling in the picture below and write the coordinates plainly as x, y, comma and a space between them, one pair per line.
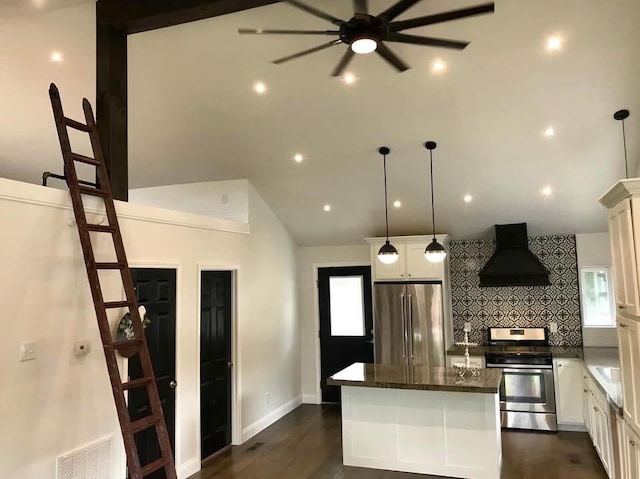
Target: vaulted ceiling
193, 116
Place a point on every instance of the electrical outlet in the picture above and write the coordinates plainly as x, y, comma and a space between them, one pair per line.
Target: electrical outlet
82, 348
467, 327
553, 327
267, 398
28, 351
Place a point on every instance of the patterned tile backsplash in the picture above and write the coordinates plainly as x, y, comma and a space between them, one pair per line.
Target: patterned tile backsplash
522, 306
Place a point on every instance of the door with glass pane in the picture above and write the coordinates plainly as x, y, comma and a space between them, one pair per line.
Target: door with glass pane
346, 322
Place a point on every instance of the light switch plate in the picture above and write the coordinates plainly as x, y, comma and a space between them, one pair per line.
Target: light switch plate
553, 327
28, 351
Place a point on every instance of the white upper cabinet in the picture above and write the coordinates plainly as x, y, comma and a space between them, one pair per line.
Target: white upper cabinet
411, 264
623, 253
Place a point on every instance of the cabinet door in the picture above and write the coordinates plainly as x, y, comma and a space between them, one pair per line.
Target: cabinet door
419, 267
629, 344
569, 386
606, 445
624, 257
586, 414
632, 453
389, 271
622, 448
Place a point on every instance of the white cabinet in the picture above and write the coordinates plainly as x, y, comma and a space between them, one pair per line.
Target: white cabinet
411, 264
598, 421
623, 253
629, 345
477, 361
586, 404
569, 384
631, 447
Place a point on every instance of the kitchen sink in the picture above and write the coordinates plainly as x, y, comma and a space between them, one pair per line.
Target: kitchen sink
610, 374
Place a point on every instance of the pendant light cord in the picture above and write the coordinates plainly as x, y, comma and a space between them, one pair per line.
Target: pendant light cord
433, 208
624, 144
386, 201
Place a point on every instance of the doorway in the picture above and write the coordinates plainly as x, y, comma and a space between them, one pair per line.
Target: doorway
215, 361
156, 291
346, 322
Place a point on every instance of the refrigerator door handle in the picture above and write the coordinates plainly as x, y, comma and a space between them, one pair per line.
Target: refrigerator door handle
410, 328
403, 308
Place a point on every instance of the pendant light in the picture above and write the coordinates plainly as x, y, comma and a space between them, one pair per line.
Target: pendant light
622, 115
434, 252
388, 254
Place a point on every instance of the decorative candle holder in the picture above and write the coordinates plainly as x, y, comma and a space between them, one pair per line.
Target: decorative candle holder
466, 368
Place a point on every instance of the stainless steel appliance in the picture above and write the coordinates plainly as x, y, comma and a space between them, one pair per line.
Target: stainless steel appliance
408, 324
527, 394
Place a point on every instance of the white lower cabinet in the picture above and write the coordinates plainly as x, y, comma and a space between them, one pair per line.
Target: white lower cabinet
598, 421
630, 450
569, 385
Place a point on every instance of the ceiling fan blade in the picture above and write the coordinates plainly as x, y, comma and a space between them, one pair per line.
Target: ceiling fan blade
397, 9
344, 62
428, 41
442, 17
315, 12
361, 6
392, 58
306, 52
264, 31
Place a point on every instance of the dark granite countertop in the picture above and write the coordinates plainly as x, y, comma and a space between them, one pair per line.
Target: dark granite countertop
416, 377
473, 351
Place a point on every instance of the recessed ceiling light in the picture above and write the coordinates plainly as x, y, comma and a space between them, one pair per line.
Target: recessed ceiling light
554, 44
397, 203
364, 45
327, 208
298, 157
546, 191
468, 198
549, 131
260, 88
438, 66
349, 78
56, 57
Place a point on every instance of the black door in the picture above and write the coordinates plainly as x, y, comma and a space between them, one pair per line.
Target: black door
346, 322
215, 361
156, 291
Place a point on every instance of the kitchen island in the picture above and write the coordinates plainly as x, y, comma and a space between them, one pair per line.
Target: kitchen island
421, 420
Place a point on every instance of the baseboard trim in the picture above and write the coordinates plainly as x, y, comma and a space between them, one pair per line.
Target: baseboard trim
189, 468
266, 421
572, 427
310, 399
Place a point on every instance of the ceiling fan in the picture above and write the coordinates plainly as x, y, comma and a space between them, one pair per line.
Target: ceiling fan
365, 33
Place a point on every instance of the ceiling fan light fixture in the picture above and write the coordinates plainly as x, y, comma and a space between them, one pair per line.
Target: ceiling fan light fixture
364, 45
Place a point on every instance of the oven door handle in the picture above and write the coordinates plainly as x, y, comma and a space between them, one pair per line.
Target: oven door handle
521, 367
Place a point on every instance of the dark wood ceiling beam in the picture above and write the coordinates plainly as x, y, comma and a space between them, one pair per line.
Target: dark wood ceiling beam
135, 16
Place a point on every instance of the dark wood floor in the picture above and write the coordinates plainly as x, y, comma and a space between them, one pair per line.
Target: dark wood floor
306, 444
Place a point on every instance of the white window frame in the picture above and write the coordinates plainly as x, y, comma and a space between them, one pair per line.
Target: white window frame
612, 306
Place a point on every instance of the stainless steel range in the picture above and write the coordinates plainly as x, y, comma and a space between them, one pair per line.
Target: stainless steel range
527, 394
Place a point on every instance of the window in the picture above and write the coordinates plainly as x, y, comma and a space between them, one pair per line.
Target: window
347, 305
596, 288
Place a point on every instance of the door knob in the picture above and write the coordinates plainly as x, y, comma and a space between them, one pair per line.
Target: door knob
229, 364
173, 384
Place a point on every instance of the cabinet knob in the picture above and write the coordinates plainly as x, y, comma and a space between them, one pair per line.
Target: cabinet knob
621, 306
585, 390
409, 274
632, 443
622, 325
596, 409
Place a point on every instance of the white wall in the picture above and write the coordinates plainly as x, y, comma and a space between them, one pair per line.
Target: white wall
309, 258
593, 249
199, 198
58, 402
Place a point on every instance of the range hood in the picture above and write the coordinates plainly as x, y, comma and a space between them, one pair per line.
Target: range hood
513, 264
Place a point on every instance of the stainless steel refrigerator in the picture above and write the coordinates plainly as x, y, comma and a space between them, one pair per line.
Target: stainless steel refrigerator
408, 324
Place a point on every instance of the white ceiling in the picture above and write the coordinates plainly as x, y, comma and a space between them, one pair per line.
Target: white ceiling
193, 117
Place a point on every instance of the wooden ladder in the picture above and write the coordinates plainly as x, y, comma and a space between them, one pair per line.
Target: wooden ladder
138, 345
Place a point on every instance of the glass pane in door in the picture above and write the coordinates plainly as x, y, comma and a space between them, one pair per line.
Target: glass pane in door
523, 388
346, 297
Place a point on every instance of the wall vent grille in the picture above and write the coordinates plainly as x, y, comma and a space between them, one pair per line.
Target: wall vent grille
90, 462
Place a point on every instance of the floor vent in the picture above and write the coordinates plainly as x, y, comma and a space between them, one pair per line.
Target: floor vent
90, 462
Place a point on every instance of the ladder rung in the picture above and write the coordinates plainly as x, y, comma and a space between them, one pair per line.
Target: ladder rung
85, 190
117, 304
136, 383
144, 423
126, 344
101, 228
76, 125
153, 466
85, 159
109, 265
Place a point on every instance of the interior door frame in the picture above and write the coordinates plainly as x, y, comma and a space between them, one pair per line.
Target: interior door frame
124, 363
236, 412
316, 317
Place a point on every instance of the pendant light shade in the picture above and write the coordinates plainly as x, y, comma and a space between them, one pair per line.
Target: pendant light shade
434, 252
387, 254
